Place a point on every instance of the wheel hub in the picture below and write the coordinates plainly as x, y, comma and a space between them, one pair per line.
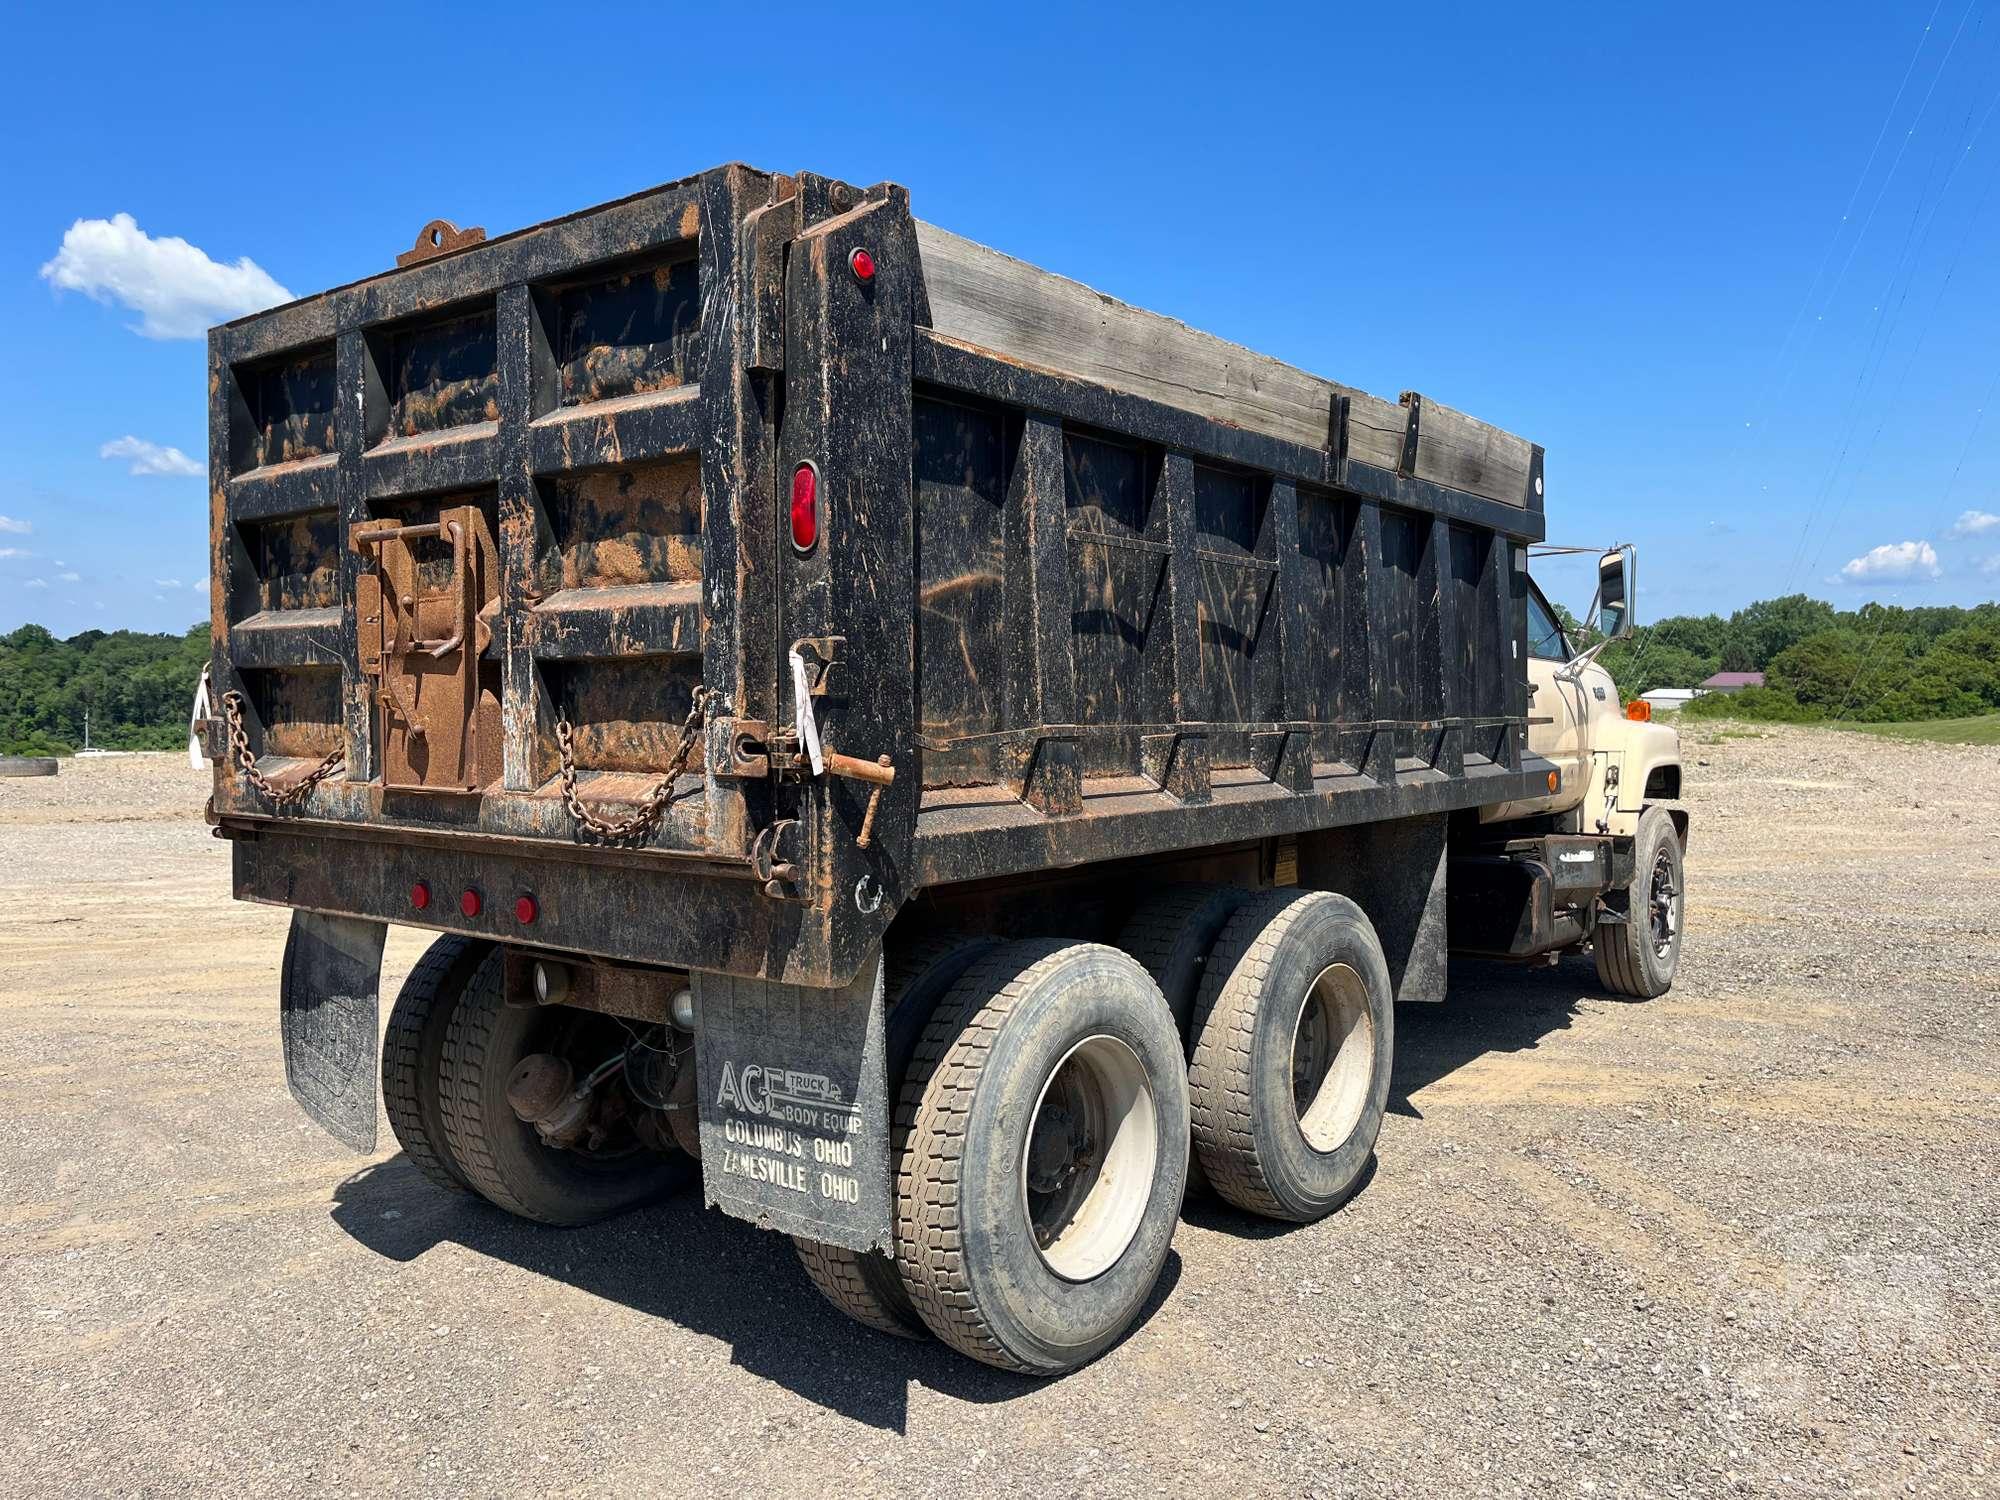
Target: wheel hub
1663, 904
1333, 1058
1059, 1149
1088, 1161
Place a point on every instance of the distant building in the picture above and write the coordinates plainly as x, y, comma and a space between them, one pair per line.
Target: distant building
1732, 682
1667, 700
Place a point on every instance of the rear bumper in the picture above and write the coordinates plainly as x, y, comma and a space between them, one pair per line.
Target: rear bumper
636, 908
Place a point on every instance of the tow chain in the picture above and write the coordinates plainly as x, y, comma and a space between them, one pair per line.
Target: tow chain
640, 824
246, 761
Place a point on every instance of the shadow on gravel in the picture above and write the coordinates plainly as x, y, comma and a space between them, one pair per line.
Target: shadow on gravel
1491, 1007
1207, 1209
704, 1271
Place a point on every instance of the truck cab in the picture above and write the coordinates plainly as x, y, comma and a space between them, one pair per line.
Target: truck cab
1615, 770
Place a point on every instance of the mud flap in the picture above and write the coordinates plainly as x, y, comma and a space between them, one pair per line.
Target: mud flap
328, 1002
795, 1107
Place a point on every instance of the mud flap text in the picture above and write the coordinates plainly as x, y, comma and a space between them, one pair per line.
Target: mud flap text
794, 1106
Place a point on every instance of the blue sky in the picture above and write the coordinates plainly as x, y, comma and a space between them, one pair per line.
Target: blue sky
1732, 265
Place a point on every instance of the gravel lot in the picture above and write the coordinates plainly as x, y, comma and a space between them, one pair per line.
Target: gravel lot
1737, 1240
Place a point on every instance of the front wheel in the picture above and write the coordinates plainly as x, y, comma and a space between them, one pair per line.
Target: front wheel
1640, 955
1042, 1155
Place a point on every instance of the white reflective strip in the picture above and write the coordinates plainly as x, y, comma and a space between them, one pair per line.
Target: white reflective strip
196, 760
802, 709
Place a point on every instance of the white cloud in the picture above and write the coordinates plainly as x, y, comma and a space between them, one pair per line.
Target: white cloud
1894, 562
1991, 566
1973, 522
19, 528
36, 583
173, 286
166, 583
200, 585
149, 458
69, 578
15, 552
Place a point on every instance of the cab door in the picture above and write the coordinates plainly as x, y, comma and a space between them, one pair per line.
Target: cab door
1557, 717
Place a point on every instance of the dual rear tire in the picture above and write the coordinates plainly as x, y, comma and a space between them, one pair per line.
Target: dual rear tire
1052, 1108
1053, 1096
450, 1046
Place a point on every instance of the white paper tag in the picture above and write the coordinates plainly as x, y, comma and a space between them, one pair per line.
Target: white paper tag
196, 760
802, 709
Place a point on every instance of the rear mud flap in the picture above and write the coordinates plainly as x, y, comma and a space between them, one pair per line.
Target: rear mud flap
328, 1004
795, 1106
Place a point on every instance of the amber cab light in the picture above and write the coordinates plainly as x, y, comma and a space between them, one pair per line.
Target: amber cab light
862, 264
420, 895
805, 506
1555, 781
525, 910
470, 903
1639, 711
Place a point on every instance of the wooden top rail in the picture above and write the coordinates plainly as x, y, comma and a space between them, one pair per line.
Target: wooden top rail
1029, 316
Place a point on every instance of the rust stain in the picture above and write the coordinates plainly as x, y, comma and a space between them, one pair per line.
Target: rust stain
623, 526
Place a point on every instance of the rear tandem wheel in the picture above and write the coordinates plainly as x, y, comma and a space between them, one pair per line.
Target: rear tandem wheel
1041, 1155
865, 1284
413, 1050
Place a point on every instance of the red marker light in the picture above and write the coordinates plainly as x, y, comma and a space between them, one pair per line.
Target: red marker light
805, 507
470, 903
420, 895
525, 910
862, 264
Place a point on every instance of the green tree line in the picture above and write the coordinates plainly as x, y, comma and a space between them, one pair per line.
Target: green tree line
1878, 664
136, 687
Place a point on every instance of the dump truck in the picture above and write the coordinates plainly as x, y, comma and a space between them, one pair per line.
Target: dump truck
944, 757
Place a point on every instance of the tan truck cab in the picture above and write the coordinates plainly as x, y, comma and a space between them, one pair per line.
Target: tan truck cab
1615, 771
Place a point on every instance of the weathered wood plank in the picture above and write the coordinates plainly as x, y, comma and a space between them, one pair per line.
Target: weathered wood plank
1464, 453
1023, 313
996, 302
1375, 430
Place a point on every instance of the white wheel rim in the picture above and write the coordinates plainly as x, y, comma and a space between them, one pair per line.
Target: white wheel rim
1088, 1158
1333, 1058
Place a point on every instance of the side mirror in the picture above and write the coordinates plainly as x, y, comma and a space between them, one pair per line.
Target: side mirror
1616, 583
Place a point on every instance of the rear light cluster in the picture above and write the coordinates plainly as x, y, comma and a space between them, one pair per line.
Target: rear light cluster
805, 506
471, 902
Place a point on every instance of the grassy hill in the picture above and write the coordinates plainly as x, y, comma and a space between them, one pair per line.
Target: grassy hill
1981, 729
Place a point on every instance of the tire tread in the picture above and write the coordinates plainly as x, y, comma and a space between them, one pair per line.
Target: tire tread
461, 1080
859, 1282
1225, 1018
931, 1122
430, 984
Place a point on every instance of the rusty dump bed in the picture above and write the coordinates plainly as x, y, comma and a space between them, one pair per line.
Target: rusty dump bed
1089, 583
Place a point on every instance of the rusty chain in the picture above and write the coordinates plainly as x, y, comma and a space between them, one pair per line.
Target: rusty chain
643, 822
246, 761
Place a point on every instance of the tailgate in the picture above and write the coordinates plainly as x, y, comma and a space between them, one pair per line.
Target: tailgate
466, 526
506, 613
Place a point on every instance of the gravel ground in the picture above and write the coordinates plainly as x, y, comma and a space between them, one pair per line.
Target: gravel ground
1738, 1240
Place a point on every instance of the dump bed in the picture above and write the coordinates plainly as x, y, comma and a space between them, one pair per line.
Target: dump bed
508, 531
